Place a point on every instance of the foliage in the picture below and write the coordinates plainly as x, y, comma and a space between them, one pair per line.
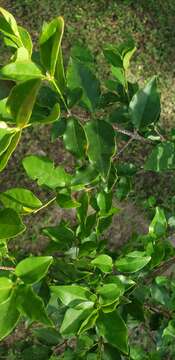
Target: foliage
83, 299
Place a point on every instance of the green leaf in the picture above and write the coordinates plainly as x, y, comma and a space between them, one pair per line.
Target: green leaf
50, 43
58, 129
128, 55
26, 39
162, 158
103, 262
69, 295
31, 305
170, 329
6, 135
9, 316
65, 201
9, 27
52, 117
61, 234
74, 138
101, 145
119, 74
6, 286
145, 105
19, 199
10, 224
42, 169
82, 53
113, 56
47, 335
73, 319
158, 226
21, 71
110, 293
22, 99
4, 158
33, 269
79, 75
110, 353
113, 329
132, 262
89, 322
84, 176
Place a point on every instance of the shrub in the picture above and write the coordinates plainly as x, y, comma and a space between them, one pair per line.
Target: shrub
85, 299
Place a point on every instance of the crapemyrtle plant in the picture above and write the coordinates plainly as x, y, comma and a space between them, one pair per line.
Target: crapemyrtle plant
80, 299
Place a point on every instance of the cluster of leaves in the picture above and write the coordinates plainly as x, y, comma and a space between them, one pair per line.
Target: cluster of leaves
83, 296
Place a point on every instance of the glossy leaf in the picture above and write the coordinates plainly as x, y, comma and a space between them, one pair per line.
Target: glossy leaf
69, 295
132, 262
52, 117
22, 99
101, 145
9, 27
42, 169
158, 225
74, 138
110, 293
9, 316
162, 158
20, 199
65, 201
6, 286
73, 319
26, 39
113, 329
50, 42
4, 158
31, 305
79, 75
145, 105
103, 262
33, 269
10, 224
6, 135
21, 71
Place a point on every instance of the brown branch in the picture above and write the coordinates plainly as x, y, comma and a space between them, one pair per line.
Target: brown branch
123, 148
134, 136
159, 310
159, 270
7, 268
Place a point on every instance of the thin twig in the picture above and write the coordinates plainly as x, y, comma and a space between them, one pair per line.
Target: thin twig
159, 310
159, 270
123, 148
7, 268
134, 136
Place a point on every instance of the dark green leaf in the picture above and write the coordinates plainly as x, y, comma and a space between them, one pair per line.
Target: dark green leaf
145, 105
101, 145
112, 327
31, 305
162, 158
80, 76
10, 224
74, 138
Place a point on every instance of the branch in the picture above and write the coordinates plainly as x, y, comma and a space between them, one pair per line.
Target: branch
159, 270
159, 310
134, 136
7, 268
